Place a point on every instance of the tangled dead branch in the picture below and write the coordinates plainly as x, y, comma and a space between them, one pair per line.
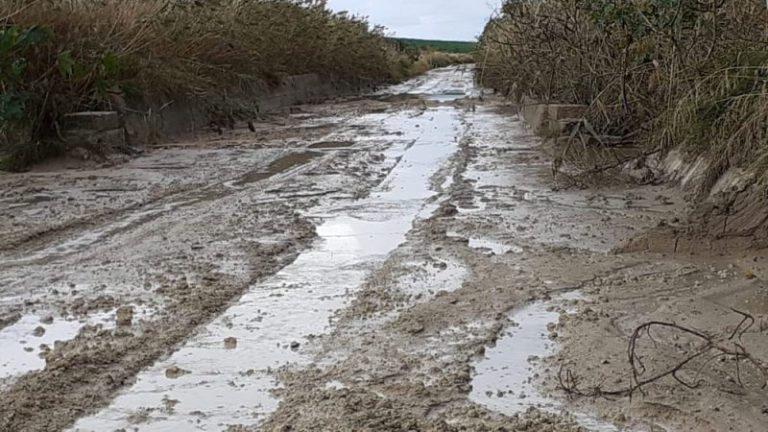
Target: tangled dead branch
706, 350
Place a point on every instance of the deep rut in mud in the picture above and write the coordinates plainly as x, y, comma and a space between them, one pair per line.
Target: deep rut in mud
389, 263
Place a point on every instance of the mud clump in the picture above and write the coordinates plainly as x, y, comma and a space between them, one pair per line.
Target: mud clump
9, 320
175, 372
124, 317
230, 343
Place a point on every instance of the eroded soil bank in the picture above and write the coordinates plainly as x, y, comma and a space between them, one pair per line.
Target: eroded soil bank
391, 263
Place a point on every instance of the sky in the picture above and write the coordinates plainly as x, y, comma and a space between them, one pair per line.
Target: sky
424, 19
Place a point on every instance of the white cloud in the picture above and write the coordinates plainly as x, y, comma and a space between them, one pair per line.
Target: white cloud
426, 19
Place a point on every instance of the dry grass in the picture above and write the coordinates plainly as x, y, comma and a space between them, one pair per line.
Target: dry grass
659, 73
97, 50
432, 59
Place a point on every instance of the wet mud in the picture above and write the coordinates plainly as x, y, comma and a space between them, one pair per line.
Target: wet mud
401, 261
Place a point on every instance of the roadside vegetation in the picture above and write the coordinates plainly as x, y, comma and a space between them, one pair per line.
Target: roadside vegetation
656, 75
458, 47
424, 55
58, 57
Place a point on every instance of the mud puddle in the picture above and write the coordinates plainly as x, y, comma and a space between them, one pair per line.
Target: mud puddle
506, 378
26, 342
225, 374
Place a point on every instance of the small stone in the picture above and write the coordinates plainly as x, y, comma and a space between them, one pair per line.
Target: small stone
416, 328
295, 345
39, 331
749, 275
620, 418
230, 343
175, 372
48, 319
124, 316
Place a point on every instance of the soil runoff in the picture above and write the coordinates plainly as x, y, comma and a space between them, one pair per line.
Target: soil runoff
397, 262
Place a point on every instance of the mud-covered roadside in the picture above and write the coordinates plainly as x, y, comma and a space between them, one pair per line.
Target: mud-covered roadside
405, 354
125, 263
397, 262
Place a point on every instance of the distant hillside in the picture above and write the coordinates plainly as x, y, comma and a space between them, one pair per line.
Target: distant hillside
438, 45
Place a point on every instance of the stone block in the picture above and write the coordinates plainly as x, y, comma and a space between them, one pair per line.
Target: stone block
550, 120
92, 120
95, 140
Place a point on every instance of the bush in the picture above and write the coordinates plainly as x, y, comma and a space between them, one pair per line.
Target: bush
661, 73
62, 56
428, 60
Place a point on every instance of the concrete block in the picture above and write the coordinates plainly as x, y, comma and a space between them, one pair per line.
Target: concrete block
92, 120
95, 140
550, 120
559, 112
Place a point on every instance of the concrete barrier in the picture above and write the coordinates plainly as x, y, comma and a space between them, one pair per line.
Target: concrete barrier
151, 120
550, 120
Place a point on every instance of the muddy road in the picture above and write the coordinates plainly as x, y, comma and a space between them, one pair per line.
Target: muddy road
399, 262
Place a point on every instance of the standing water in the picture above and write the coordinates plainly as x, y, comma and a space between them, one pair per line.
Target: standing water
225, 374
504, 380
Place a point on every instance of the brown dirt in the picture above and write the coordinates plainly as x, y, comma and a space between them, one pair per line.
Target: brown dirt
402, 353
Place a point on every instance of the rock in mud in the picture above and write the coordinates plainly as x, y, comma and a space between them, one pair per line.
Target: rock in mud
39, 331
175, 372
9, 320
124, 316
230, 343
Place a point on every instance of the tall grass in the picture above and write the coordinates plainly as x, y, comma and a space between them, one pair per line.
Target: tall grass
659, 73
65, 55
428, 60
457, 47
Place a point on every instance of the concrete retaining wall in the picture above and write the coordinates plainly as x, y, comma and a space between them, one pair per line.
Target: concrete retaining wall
156, 120
550, 120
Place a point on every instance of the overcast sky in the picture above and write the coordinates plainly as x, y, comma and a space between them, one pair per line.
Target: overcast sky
424, 19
